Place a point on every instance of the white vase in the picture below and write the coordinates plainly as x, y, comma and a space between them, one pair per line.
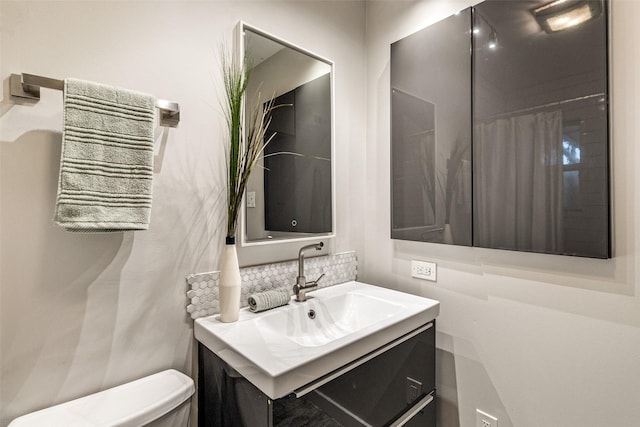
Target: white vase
230, 283
447, 237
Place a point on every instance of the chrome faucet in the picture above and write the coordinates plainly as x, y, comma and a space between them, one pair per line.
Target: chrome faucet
302, 286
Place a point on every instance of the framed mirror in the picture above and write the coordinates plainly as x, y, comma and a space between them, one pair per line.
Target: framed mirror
290, 194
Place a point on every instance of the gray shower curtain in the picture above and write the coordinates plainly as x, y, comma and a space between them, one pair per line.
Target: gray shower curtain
518, 183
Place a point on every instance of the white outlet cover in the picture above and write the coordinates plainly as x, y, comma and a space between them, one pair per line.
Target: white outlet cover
424, 270
251, 199
485, 420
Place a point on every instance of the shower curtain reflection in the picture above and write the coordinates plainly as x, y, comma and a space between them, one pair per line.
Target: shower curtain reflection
518, 183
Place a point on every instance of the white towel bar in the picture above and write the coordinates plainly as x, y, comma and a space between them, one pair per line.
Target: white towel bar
28, 86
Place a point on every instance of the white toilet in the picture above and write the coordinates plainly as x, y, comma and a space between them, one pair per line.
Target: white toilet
157, 400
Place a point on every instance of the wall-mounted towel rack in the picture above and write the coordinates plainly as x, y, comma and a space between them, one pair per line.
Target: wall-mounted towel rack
28, 86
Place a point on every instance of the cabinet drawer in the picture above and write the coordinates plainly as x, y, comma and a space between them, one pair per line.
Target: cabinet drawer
382, 389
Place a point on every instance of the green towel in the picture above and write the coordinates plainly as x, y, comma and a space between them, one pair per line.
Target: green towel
268, 299
106, 167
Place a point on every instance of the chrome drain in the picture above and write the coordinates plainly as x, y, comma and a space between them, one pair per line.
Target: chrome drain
311, 314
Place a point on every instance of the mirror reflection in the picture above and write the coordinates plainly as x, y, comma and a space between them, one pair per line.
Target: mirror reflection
289, 194
541, 127
414, 160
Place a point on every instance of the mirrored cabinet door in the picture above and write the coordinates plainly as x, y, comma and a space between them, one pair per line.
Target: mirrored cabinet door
541, 127
431, 133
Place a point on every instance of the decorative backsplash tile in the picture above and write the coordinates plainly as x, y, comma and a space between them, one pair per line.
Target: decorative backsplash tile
203, 287
203, 294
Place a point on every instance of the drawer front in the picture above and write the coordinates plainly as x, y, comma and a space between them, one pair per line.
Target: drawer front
382, 389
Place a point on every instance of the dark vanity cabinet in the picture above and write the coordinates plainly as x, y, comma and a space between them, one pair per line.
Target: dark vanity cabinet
396, 387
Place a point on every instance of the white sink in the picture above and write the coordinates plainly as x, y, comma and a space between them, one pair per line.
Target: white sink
283, 349
320, 321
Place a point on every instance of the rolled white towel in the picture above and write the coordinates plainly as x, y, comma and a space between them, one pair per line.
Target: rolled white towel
269, 299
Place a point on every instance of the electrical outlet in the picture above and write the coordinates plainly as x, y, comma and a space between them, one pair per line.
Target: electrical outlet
251, 199
423, 270
485, 420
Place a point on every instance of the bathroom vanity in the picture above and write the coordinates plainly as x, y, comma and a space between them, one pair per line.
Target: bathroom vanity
352, 354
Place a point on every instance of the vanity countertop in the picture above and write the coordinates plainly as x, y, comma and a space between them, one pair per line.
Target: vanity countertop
283, 349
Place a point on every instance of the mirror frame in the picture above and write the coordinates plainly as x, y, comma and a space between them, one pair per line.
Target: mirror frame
239, 40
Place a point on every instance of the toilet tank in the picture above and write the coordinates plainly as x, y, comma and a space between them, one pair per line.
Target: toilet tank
157, 400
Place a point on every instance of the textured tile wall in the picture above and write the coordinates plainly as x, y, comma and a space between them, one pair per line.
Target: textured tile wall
203, 287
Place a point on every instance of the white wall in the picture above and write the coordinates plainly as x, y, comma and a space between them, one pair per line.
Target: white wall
82, 312
536, 340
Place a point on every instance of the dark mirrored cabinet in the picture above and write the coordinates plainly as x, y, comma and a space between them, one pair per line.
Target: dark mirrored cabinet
533, 172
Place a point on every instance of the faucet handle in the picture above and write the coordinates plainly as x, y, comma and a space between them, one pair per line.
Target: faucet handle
301, 287
315, 282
